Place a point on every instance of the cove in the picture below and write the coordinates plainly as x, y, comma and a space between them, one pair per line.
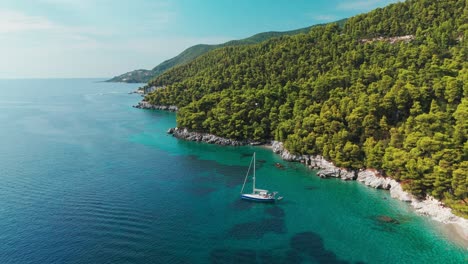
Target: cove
86, 178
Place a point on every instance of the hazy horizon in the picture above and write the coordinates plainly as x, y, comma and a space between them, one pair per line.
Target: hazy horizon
87, 39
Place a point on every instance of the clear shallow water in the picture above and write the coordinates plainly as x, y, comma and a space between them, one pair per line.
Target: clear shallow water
86, 178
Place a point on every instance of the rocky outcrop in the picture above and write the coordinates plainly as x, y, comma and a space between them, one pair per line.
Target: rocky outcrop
326, 168
146, 105
278, 148
149, 89
137, 91
373, 179
396, 192
185, 134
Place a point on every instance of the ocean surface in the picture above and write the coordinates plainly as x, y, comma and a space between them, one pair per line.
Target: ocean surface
86, 178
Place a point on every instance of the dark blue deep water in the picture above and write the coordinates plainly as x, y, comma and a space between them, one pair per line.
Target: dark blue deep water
86, 178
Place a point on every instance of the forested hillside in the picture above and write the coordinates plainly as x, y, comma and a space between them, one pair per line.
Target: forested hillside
397, 106
142, 76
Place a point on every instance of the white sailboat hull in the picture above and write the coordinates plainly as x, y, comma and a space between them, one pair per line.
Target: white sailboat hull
258, 197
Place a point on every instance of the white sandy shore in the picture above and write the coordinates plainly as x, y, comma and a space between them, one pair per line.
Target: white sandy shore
456, 233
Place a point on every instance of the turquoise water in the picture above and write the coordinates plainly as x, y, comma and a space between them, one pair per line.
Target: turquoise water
86, 178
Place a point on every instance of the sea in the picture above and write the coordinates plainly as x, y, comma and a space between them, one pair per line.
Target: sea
87, 178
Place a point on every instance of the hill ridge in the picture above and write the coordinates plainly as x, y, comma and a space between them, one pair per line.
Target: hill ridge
191, 53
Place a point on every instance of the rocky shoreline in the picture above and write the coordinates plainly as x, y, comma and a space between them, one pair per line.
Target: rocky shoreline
430, 206
146, 105
183, 133
137, 91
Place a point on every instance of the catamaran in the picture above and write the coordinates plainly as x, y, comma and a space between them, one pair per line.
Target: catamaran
258, 195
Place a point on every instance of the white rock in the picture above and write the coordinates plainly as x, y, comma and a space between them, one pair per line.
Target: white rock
277, 147
347, 175
396, 192
328, 173
435, 209
285, 155
373, 179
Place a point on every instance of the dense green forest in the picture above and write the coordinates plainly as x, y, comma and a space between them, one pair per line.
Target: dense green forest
188, 55
397, 106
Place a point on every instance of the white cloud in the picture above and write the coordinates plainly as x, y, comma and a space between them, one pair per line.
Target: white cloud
363, 4
34, 45
16, 22
12, 21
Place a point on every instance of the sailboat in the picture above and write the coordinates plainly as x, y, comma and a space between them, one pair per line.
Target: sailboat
258, 195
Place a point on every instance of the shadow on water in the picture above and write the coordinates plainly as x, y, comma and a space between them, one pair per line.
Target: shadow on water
386, 219
385, 223
246, 155
213, 172
272, 210
275, 211
241, 205
249, 155
311, 188
223, 256
233, 256
257, 229
199, 165
292, 256
309, 244
285, 201
305, 247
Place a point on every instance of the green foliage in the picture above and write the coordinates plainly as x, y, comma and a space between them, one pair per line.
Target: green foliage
399, 107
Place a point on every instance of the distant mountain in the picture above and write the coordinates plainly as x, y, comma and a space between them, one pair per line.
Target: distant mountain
143, 76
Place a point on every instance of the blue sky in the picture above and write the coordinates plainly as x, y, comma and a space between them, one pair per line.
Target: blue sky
103, 38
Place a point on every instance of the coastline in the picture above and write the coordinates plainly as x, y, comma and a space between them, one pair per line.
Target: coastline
455, 227
456, 233
146, 105
209, 138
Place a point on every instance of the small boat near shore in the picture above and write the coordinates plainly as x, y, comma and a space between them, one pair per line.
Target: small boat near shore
257, 195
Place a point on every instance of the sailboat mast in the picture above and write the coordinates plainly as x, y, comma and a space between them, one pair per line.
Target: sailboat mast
247, 175
253, 191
